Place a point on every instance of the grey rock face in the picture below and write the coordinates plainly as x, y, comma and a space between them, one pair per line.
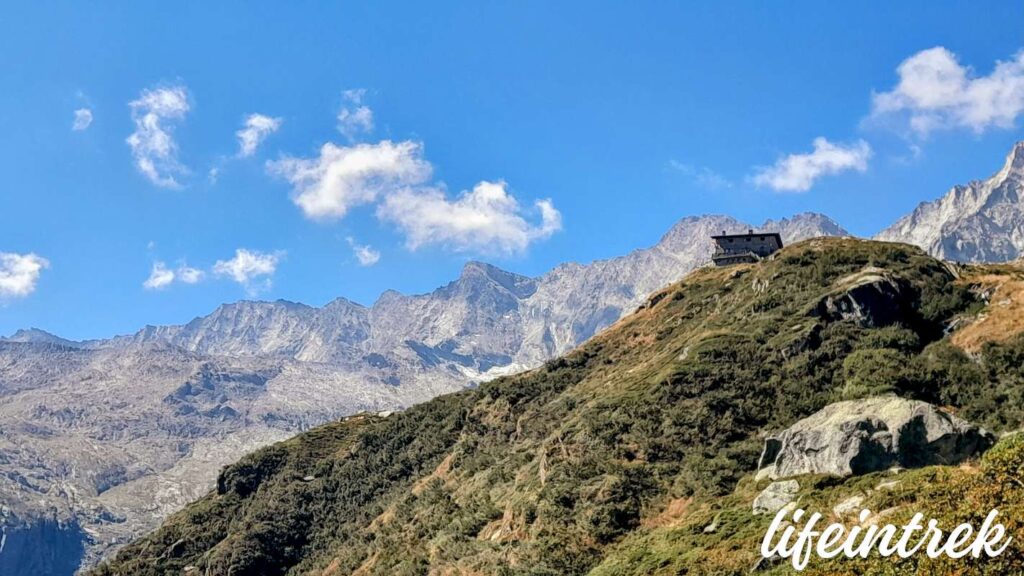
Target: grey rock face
869, 298
982, 221
486, 323
861, 436
114, 435
776, 496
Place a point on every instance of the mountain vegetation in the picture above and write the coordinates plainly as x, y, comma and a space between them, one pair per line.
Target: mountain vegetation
101, 440
634, 453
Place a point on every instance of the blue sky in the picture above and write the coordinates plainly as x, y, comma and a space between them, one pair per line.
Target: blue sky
396, 140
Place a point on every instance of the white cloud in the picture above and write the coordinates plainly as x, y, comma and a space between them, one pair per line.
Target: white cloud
486, 219
83, 118
354, 118
161, 276
250, 268
366, 255
152, 143
257, 128
935, 91
326, 187
19, 273
189, 275
702, 176
798, 172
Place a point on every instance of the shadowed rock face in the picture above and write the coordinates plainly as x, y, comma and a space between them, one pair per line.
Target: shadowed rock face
43, 548
870, 299
862, 436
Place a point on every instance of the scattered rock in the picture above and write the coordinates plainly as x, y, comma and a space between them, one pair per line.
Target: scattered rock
710, 528
851, 504
868, 435
776, 496
877, 518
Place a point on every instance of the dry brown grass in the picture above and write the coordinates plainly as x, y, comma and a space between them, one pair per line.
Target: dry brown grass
1003, 316
439, 473
673, 512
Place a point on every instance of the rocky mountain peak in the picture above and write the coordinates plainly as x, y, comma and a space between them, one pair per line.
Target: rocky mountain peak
35, 335
804, 225
1014, 165
684, 232
341, 303
474, 273
982, 221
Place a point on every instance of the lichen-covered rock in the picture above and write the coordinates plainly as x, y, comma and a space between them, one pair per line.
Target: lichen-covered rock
861, 436
776, 497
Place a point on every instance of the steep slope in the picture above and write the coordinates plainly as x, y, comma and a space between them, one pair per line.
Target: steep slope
982, 221
549, 472
102, 439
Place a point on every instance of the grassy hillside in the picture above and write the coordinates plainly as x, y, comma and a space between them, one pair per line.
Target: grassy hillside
615, 458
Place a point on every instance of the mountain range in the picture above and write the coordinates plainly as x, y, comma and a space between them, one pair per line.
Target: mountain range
100, 440
636, 453
982, 221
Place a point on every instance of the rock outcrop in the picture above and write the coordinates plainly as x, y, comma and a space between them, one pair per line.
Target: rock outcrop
869, 298
862, 436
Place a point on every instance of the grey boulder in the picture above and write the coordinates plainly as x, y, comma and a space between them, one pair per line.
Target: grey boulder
861, 436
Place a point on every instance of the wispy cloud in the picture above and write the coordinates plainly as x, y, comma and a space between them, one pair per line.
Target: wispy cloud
19, 273
83, 119
152, 143
161, 276
486, 219
250, 268
365, 254
354, 117
326, 187
799, 172
936, 92
256, 129
189, 275
702, 176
